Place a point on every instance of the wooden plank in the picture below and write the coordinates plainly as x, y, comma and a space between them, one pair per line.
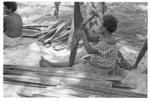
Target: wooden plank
55, 25
29, 81
47, 35
64, 34
48, 92
29, 32
68, 72
33, 26
39, 78
32, 68
36, 35
29, 91
114, 91
126, 86
71, 90
89, 93
95, 88
70, 37
86, 85
59, 30
12, 83
61, 44
34, 92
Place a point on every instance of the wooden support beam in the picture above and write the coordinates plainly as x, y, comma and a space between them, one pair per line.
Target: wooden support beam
78, 23
78, 20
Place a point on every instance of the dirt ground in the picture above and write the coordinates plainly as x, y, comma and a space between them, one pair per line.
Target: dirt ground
132, 31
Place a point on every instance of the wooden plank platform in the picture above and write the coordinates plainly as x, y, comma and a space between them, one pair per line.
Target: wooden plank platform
60, 82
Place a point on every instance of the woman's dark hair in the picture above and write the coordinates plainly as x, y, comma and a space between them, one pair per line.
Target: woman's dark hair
110, 23
11, 5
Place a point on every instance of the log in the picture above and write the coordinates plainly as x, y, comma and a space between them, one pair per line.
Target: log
36, 35
47, 35
70, 34
59, 30
63, 34
55, 25
60, 43
33, 26
64, 38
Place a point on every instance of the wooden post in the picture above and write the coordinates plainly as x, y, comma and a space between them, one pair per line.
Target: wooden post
56, 12
78, 20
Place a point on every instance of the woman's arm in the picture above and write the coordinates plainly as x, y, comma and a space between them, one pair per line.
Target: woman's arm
90, 38
88, 47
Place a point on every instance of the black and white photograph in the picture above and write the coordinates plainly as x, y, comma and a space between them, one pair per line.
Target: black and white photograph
75, 49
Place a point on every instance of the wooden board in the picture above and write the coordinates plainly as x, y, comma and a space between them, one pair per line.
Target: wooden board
67, 71
50, 79
62, 91
59, 82
114, 91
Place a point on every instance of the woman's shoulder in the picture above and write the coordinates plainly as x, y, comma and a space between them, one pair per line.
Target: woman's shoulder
111, 41
12, 16
6, 16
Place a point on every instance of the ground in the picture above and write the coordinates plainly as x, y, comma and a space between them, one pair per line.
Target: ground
132, 31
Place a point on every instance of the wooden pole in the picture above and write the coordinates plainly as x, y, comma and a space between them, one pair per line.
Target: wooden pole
78, 20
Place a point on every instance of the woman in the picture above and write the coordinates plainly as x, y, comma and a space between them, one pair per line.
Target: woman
103, 54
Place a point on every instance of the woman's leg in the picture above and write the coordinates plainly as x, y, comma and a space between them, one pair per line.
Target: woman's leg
62, 61
9, 42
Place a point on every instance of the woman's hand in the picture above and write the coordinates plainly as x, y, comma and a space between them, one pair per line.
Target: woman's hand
132, 67
84, 27
94, 12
